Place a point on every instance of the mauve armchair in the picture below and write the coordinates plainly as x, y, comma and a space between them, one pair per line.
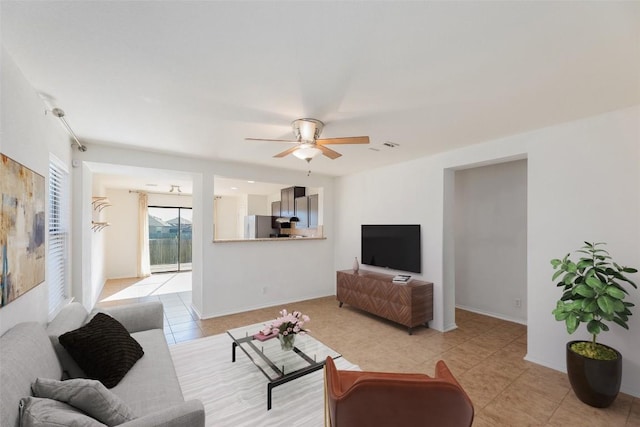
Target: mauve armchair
357, 398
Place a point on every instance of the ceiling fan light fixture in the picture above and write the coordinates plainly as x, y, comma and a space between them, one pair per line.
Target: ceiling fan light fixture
308, 145
306, 153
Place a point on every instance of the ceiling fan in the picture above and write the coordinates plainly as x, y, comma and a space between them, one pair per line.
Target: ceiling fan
308, 145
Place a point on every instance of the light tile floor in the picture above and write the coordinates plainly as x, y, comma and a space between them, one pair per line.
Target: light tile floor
172, 289
485, 354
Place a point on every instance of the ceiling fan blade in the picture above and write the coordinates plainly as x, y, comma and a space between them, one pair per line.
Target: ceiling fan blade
271, 140
344, 140
328, 152
286, 152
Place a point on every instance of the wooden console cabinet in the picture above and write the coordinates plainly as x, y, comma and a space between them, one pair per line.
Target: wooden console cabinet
409, 304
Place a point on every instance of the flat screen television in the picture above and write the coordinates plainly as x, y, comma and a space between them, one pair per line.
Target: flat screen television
392, 246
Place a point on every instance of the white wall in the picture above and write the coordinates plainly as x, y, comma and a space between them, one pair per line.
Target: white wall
122, 234
583, 184
258, 205
28, 136
408, 193
490, 242
231, 277
226, 217
98, 247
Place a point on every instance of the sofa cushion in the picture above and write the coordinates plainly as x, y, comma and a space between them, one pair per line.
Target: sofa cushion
90, 396
103, 349
26, 353
152, 384
136, 317
39, 412
71, 317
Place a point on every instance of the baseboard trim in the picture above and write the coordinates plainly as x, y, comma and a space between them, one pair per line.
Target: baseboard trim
490, 314
271, 303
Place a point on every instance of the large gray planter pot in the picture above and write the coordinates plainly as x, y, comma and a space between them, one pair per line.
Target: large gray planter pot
595, 382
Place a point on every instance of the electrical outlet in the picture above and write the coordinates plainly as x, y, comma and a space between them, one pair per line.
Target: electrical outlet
518, 302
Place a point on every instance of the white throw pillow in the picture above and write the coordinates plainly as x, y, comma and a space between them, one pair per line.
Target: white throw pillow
90, 396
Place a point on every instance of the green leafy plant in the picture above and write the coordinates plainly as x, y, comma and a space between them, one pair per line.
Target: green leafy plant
592, 294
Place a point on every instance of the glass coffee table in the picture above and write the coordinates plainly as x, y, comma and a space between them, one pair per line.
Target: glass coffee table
280, 366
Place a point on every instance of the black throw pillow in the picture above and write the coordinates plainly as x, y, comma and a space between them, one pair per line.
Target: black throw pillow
103, 348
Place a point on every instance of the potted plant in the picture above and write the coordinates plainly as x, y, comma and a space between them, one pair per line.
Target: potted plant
593, 294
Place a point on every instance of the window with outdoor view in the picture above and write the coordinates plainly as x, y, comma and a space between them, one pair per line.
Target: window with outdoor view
169, 239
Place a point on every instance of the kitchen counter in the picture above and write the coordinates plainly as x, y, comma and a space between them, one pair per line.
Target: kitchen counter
268, 239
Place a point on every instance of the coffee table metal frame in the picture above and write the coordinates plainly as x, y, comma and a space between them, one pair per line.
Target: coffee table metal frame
281, 376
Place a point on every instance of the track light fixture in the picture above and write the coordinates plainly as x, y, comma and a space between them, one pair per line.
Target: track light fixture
59, 113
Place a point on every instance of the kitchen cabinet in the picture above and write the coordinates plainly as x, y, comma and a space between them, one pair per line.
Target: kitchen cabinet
313, 211
275, 214
307, 211
288, 200
302, 211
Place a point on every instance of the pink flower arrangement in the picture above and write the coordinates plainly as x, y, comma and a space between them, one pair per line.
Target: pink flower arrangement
287, 323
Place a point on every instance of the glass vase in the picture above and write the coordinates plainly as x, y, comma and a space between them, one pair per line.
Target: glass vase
287, 342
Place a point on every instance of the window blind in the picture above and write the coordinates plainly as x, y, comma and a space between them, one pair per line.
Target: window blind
57, 265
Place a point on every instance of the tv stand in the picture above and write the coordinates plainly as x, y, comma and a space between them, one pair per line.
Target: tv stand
408, 304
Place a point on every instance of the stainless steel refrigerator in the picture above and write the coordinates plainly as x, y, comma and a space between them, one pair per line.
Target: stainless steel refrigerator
257, 226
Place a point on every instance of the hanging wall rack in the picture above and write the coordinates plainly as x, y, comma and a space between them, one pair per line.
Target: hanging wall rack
99, 203
98, 226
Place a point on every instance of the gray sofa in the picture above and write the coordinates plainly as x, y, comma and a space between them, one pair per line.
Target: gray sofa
151, 389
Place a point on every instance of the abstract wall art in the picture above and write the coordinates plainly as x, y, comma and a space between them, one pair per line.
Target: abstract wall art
22, 229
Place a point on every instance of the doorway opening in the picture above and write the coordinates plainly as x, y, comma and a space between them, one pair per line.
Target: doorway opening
485, 220
490, 240
170, 238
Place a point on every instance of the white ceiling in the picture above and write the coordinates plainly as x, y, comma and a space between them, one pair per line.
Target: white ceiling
120, 177
232, 187
150, 183
198, 77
